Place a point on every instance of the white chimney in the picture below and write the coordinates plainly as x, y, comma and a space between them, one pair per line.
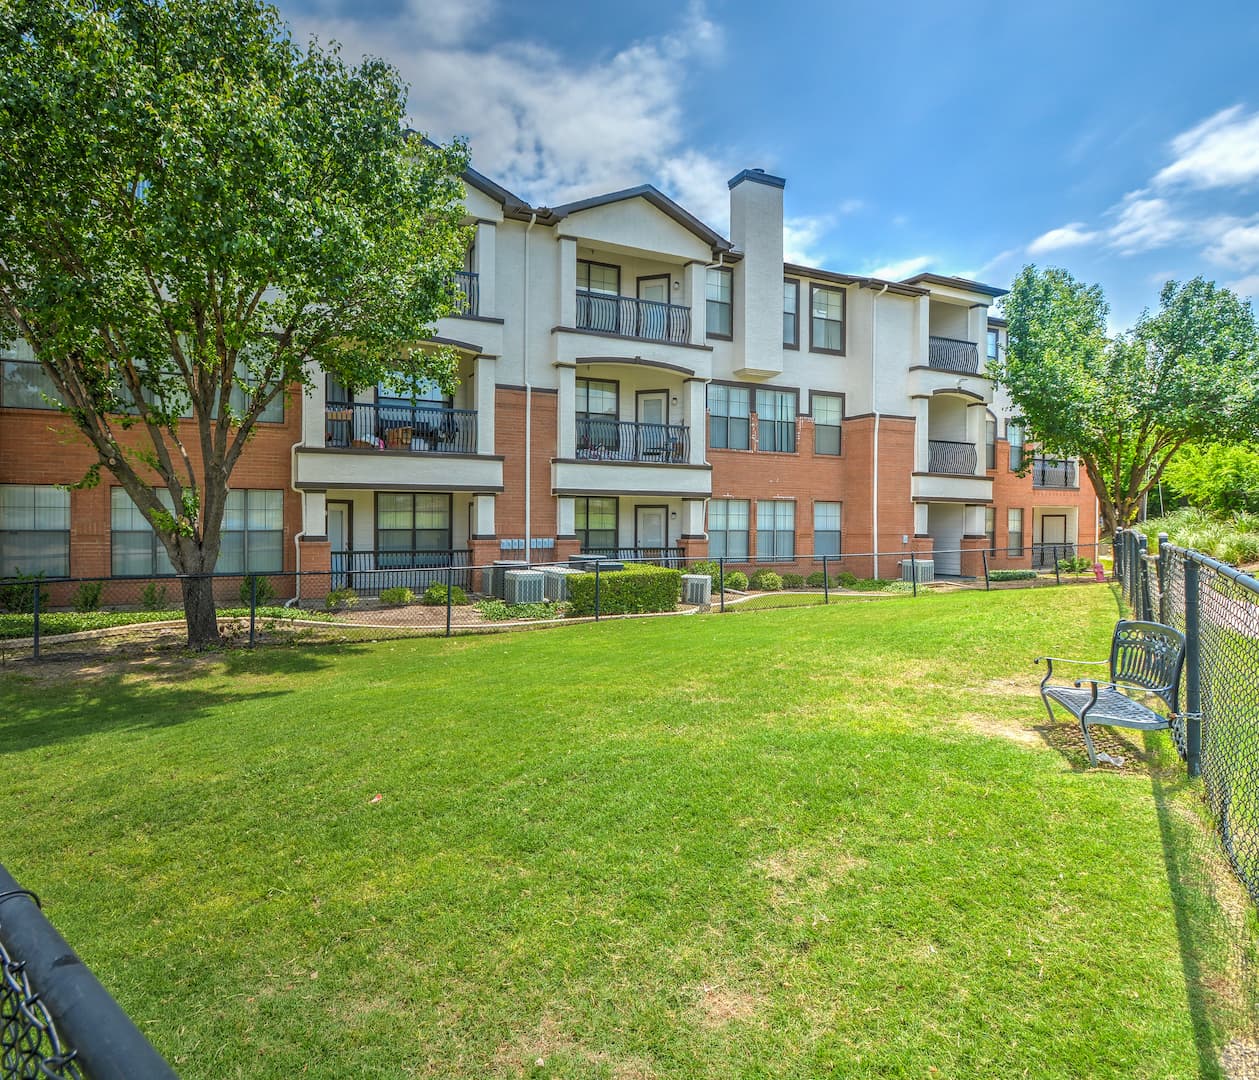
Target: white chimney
756, 229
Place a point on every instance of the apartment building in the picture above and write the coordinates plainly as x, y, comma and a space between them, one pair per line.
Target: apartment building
631, 382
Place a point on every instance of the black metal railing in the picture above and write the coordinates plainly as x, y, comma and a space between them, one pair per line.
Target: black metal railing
664, 556
468, 290
367, 572
951, 457
1047, 556
651, 320
624, 440
419, 428
950, 354
1053, 473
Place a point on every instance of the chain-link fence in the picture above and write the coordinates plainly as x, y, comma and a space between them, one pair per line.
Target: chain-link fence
1217, 608
56, 1020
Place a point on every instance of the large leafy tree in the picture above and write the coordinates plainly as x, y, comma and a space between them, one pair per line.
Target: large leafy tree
195, 216
1188, 372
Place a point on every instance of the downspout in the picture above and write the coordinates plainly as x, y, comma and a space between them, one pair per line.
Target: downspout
301, 533
874, 401
524, 359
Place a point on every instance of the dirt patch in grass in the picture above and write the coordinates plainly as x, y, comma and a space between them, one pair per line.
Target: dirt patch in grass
1005, 729
718, 1006
533, 1050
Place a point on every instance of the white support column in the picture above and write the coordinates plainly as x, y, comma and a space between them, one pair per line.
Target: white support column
692, 517
975, 415
566, 277
920, 356
313, 403
694, 294
565, 516
973, 523
921, 511
483, 516
483, 383
922, 434
484, 257
566, 412
977, 330
696, 412
315, 513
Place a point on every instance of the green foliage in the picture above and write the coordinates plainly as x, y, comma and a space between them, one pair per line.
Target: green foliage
846, 579
1187, 373
736, 580
1223, 479
766, 581
634, 590
496, 610
898, 587
1080, 564
341, 599
257, 587
436, 594
870, 584
817, 580
400, 594
712, 569
793, 581
1012, 575
153, 598
19, 593
1233, 539
87, 597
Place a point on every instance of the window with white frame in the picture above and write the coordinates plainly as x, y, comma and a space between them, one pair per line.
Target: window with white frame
828, 415
827, 321
34, 530
253, 533
1014, 531
776, 421
775, 530
728, 528
728, 410
134, 547
827, 531
719, 295
993, 338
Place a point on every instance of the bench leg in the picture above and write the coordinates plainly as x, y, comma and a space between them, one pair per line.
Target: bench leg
1088, 742
1049, 709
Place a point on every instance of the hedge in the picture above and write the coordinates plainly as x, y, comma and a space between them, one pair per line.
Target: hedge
631, 591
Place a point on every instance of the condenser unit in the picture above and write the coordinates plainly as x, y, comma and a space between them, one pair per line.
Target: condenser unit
923, 570
697, 589
555, 582
523, 587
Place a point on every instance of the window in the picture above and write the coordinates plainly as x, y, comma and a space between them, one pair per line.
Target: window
728, 528
1014, 532
728, 411
134, 549
599, 278
775, 530
828, 414
253, 533
827, 323
1014, 433
720, 307
597, 405
990, 441
791, 314
990, 529
595, 523
34, 530
400, 389
273, 411
992, 344
409, 525
826, 528
776, 420
23, 382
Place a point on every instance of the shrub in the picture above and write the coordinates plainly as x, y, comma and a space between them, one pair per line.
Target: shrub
1011, 575
1079, 565
436, 594
632, 591
712, 569
154, 597
869, 584
1240, 548
817, 580
793, 581
766, 581
500, 610
899, 587
846, 580
343, 598
736, 580
400, 594
257, 587
19, 594
87, 597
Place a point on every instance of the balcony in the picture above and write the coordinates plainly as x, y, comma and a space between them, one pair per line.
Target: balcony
663, 556
367, 572
467, 293
955, 458
1054, 473
950, 354
419, 428
623, 440
647, 320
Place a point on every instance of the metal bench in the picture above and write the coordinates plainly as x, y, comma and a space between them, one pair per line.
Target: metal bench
1145, 659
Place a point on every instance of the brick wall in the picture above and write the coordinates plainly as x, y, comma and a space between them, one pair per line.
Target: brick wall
509, 440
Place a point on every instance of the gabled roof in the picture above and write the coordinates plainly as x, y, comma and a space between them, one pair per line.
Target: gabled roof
661, 202
818, 274
957, 283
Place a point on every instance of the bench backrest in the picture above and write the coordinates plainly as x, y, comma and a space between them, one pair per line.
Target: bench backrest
1150, 655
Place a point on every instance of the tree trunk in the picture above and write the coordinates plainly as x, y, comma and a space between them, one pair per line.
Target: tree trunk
203, 626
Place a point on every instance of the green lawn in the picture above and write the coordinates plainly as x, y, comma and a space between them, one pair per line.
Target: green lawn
819, 841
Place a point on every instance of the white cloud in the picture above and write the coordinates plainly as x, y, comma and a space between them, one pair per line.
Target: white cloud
1236, 244
1246, 287
915, 264
550, 127
1145, 223
800, 237
1075, 234
1222, 151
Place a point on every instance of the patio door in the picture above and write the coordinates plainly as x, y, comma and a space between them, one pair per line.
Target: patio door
341, 541
653, 318
1053, 539
651, 530
653, 416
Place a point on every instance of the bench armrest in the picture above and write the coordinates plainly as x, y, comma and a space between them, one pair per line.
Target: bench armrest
1107, 684
1051, 660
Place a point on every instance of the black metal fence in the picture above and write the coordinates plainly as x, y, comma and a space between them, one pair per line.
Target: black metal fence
56, 1019
1216, 606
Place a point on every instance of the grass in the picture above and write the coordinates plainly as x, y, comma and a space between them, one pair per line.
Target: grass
16, 625
823, 841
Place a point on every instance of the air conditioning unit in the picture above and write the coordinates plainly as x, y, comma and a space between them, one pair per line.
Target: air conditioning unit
492, 576
923, 570
523, 587
555, 582
697, 589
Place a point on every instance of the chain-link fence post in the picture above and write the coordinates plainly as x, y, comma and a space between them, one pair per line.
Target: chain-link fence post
1053, 554
1162, 578
826, 582
35, 621
721, 585
450, 589
253, 609
987, 579
1193, 670
597, 598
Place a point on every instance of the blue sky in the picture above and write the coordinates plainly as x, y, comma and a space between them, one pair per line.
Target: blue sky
1116, 139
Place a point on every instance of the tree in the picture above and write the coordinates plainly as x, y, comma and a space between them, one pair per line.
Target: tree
1222, 478
1125, 405
195, 217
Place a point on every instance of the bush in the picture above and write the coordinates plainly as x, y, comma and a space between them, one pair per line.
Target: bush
899, 587
766, 581
19, 594
632, 591
154, 597
793, 581
1011, 575
400, 594
846, 580
712, 569
436, 594
736, 580
340, 599
500, 610
817, 580
258, 587
87, 597
1079, 565
869, 584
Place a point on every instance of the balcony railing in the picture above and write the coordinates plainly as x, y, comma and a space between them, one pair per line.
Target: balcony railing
1054, 473
651, 320
468, 289
420, 428
951, 457
664, 556
1047, 556
949, 354
624, 440
367, 572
